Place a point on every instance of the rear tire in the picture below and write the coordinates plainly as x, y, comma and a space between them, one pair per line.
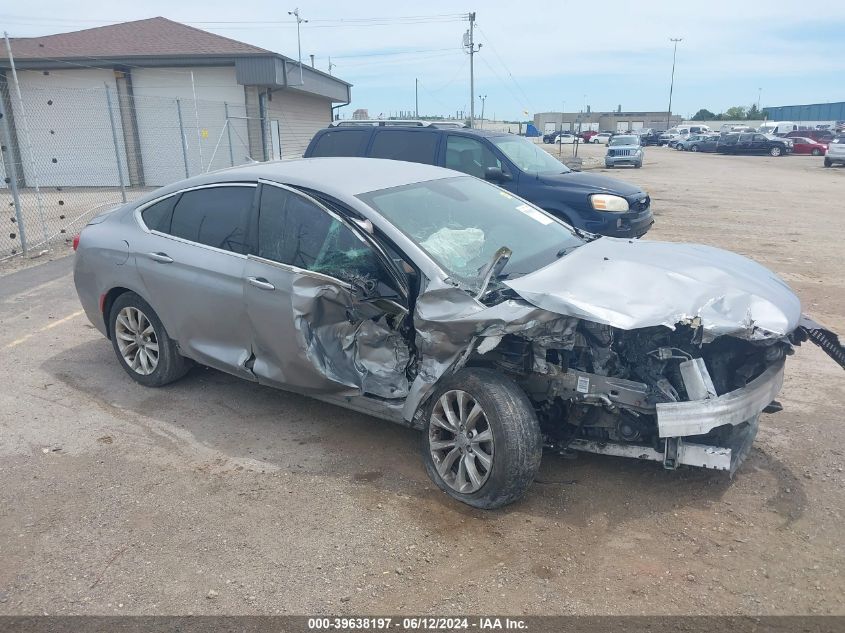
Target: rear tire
142, 345
817, 152
481, 442
827, 162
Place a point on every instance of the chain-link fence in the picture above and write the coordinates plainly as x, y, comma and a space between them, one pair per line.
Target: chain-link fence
69, 154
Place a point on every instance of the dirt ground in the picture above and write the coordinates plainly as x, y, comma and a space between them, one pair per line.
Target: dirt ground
217, 496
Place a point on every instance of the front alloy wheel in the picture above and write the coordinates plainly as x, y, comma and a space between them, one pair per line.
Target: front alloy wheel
775, 151
460, 441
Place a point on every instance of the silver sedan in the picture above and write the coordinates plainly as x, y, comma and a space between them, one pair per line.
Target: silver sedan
437, 300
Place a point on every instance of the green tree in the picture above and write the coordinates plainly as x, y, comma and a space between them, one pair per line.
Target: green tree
736, 112
753, 113
703, 115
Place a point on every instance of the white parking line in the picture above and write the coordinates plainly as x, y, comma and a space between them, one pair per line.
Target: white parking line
23, 339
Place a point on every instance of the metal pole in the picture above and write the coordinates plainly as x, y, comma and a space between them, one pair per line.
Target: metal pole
483, 100
116, 146
229, 133
197, 122
672, 83
417, 98
299, 21
28, 140
12, 173
471, 71
182, 136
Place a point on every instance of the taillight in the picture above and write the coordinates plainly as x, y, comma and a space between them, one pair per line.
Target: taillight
76, 241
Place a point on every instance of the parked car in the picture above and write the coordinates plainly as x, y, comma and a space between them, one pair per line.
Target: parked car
820, 136
754, 143
671, 136
683, 144
650, 137
701, 143
601, 137
566, 139
550, 138
777, 128
835, 152
510, 161
440, 301
801, 145
624, 149
587, 135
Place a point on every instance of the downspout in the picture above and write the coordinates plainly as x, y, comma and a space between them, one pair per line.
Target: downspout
337, 107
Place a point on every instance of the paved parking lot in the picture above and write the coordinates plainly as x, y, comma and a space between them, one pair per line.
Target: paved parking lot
218, 496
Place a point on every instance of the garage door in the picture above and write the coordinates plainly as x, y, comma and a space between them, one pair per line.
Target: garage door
69, 128
623, 126
300, 116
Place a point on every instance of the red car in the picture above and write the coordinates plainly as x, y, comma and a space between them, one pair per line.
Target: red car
586, 136
802, 145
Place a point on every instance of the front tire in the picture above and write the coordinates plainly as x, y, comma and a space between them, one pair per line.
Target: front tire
142, 345
775, 151
694, 148
828, 162
481, 442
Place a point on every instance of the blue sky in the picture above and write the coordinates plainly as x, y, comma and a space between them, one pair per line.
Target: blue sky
536, 55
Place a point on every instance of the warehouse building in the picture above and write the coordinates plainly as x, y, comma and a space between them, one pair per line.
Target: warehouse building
147, 102
618, 121
810, 113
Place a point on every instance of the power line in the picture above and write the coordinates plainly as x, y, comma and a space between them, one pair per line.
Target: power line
505, 66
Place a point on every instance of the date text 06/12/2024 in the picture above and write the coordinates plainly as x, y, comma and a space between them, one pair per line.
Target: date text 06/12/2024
414, 623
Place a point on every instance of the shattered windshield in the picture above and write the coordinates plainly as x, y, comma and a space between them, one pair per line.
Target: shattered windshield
461, 222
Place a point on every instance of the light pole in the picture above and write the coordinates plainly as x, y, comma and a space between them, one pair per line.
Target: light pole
469, 45
675, 41
483, 99
299, 21
759, 94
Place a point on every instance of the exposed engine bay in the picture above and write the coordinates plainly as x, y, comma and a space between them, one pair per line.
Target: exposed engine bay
595, 386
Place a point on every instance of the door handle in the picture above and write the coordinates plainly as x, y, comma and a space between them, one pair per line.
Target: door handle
162, 258
260, 282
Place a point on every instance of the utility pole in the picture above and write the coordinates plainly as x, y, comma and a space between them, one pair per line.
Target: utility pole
483, 99
759, 93
675, 41
299, 21
417, 98
331, 65
469, 45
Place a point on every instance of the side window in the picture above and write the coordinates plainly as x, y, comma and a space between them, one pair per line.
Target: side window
341, 143
469, 156
414, 147
157, 216
760, 137
295, 231
215, 216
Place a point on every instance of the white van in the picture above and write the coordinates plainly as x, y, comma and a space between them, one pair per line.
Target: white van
779, 128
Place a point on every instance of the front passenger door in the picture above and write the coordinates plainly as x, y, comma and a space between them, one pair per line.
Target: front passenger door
325, 309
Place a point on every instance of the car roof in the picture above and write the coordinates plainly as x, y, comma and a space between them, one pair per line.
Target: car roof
420, 129
340, 177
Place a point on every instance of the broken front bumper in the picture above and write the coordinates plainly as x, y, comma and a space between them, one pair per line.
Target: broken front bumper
676, 421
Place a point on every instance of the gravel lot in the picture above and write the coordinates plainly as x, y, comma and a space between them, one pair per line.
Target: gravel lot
217, 496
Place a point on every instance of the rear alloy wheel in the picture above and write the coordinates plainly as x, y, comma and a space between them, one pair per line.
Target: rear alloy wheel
817, 152
775, 151
481, 443
141, 343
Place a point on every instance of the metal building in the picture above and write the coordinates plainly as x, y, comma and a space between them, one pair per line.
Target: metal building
618, 121
809, 112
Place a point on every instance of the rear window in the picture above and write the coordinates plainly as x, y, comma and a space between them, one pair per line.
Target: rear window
215, 216
157, 216
414, 147
341, 143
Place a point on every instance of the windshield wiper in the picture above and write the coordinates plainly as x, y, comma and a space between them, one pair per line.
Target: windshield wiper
494, 268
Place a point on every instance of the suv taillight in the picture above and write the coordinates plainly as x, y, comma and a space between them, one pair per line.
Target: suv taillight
76, 241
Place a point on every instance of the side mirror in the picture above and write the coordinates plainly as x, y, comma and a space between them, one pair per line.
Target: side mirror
496, 174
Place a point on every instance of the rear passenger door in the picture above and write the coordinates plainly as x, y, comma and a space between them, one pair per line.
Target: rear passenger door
191, 260
412, 145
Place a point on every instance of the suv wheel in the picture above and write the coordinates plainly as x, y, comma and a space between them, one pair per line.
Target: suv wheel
694, 148
481, 443
775, 150
827, 162
141, 343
